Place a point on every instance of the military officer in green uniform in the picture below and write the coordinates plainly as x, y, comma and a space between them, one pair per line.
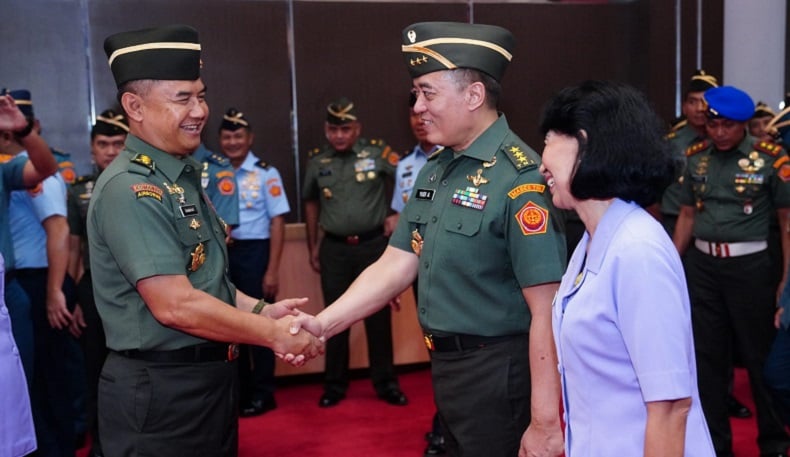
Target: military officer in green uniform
485, 240
732, 187
107, 139
160, 268
687, 132
346, 202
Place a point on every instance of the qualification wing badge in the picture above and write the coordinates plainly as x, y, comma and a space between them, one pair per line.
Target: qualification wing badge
198, 257
477, 179
416, 242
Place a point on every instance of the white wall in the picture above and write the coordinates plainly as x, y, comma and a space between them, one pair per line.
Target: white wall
754, 48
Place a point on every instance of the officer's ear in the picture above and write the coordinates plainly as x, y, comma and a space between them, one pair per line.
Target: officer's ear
475, 95
133, 105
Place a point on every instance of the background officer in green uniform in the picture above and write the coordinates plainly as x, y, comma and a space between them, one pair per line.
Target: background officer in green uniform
346, 202
484, 238
159, 267
685, 133
731, 187
107, 139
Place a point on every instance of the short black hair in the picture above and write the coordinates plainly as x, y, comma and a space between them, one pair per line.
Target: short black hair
463, 77
623, 152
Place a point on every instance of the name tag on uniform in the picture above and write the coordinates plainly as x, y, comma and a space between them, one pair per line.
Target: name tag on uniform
188, 210
424, 194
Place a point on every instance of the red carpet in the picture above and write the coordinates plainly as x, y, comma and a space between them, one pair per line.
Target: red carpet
363, 426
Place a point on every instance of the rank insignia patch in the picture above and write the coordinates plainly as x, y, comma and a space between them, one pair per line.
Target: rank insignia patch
532, 219
784, 172
147, 190
275, 191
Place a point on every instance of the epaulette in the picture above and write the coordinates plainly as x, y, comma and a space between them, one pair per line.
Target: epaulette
678, 125
697, 147
772, 149
671, 135
518, 157
313, 152
378, 142
142, 164
83, 179
60, 154
262, 164
218, 159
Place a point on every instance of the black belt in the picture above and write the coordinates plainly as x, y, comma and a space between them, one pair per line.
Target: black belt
239, 243
454, 343
356, 239
207, 352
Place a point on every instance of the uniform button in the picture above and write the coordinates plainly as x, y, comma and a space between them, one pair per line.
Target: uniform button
444, 182
422, 310
188, 169
426, 264
417, 218
434, 219
459, 226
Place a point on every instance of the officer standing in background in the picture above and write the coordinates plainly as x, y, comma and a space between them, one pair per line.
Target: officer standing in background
684, 134
159, 267
345, 209
254, 250
24, 100
107, 139
731, 187
759, 122
219, 183
482, 234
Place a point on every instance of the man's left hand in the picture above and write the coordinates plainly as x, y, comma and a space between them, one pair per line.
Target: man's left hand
541, 441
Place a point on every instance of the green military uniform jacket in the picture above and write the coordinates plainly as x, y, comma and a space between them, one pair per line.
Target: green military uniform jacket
149, 216
736, 193
488, 229
351, 186
680, 141
79, 197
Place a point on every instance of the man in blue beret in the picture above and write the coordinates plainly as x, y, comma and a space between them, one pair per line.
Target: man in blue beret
732, 185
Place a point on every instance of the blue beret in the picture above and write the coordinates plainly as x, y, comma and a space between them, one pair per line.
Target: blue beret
23, 101
729, 102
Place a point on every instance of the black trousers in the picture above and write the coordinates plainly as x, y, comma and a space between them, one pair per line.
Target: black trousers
483, 397
168, 409
732, 304
340, 265
57, 374
248, 261
94, 349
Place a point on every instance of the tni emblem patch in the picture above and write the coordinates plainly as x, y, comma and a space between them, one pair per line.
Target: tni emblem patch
533, 219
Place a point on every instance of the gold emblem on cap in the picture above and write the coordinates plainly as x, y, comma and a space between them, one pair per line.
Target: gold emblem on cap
412, 35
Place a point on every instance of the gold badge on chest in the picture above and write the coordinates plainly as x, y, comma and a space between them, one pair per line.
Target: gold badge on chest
198, 257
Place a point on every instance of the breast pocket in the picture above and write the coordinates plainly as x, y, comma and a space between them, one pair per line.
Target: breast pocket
463, 221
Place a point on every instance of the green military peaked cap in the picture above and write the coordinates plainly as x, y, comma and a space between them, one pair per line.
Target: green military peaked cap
341, 111
234, 120
165, 53
110, 123
435, 46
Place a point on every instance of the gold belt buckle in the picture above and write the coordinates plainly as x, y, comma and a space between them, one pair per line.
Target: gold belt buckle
233, 351
428, 338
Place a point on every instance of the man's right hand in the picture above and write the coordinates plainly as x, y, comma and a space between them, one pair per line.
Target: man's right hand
295, 347
10, 116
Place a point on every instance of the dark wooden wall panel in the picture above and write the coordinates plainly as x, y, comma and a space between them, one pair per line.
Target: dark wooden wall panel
43, 50
353, 50
341, 48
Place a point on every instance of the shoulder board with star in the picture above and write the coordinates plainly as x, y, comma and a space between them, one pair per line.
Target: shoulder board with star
518, 157
218, 159
263, 164
313, 152
772, 149
142, 164
697, 147
83, 179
